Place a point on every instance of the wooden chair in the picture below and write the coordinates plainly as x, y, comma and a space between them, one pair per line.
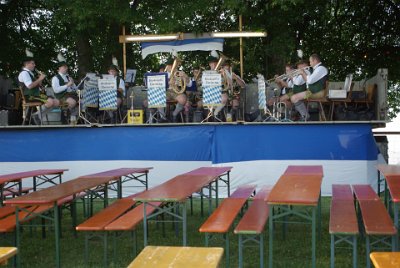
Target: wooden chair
27, 108
321, 102
370, 96
348, 86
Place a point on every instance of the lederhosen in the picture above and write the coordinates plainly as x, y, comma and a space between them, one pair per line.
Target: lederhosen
65, 94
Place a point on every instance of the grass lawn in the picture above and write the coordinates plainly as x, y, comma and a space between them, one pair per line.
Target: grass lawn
293, 251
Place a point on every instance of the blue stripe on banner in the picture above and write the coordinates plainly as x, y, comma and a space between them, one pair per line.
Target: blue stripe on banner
219, 144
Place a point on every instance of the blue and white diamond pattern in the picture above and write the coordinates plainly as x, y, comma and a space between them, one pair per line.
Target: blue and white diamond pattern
212, 95
157, 97
108, 100
91, 97
262, 103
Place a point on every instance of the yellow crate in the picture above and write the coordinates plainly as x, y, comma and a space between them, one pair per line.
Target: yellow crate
135, 117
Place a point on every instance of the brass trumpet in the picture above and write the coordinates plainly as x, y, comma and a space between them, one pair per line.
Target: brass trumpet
289, 75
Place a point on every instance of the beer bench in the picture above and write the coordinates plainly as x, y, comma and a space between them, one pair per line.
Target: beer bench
222, 218
6, 253
378, 225
251, 227
343, 224
122, 215
385, 259
177, 257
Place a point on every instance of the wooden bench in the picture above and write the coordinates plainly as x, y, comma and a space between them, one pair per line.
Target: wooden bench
343, 224
221, 220
385, 259
378, 225
122, 215
251, 226
6, 253
178, 257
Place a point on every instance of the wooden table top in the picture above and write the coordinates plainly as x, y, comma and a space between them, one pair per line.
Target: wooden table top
304, 170
116, 173
176, 189
388, 170
296, 190
57, 192
210, 171
385, 259
6, 253
393, 183
178, 257
28, 174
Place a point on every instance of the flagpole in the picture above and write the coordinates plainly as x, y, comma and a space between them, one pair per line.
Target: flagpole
241, 47
124, 50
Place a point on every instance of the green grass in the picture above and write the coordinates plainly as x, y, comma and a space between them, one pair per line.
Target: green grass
294, 251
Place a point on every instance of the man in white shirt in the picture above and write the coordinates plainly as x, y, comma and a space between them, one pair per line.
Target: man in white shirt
64, 90
315, 85
31, 88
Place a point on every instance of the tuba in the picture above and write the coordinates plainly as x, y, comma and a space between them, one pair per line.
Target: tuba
176, 81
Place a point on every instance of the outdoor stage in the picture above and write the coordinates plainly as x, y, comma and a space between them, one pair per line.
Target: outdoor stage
259, 153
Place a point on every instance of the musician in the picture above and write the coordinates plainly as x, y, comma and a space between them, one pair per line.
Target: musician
285, 83
234, 84
64, 90
114, 71
31, 84
295, 82
315, 82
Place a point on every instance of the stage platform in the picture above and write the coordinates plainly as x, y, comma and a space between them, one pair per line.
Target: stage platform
258, 152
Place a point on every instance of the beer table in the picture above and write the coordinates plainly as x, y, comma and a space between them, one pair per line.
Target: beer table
174, 191
386, 170
50, 197
299, 191
39, 177
304, 170
393, 184
123, 175
385, 259
178, 257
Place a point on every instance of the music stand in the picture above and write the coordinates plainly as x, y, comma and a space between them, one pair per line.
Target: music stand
90, 96
156, 93
211, 83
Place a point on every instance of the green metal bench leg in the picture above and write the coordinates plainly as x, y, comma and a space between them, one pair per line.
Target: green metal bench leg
354, 251
332, 251
17, 236
367, 249
115, 246
206, 242
105, 241
216, 194
226, 237
184, 223
271, 236
261, 250
57, 225
313, 241
240, 252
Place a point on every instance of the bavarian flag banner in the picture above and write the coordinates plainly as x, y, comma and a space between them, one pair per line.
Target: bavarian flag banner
211, 82
203, 44
156, 90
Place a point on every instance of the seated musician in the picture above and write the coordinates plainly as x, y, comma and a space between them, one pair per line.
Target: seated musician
295, 82
113, 70
315, 85
31, 82
64, 90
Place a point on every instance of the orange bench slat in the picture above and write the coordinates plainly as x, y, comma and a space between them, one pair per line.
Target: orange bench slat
8, 223
129, 220
263, 193
98, 221
343, 217
222, 218
255, 218
243, 191
342, 192
6, 210
364, 192
376, 219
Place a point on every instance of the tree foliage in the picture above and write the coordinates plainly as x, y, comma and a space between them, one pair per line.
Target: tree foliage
351, 36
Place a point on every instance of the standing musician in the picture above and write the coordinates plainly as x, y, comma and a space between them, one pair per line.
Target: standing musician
315, 85
64, 90
234, 85
31, 88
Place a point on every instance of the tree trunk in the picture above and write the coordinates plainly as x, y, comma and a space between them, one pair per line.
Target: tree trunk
85, 54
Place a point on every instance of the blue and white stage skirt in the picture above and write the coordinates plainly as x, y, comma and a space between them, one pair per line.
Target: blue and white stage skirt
259, 154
